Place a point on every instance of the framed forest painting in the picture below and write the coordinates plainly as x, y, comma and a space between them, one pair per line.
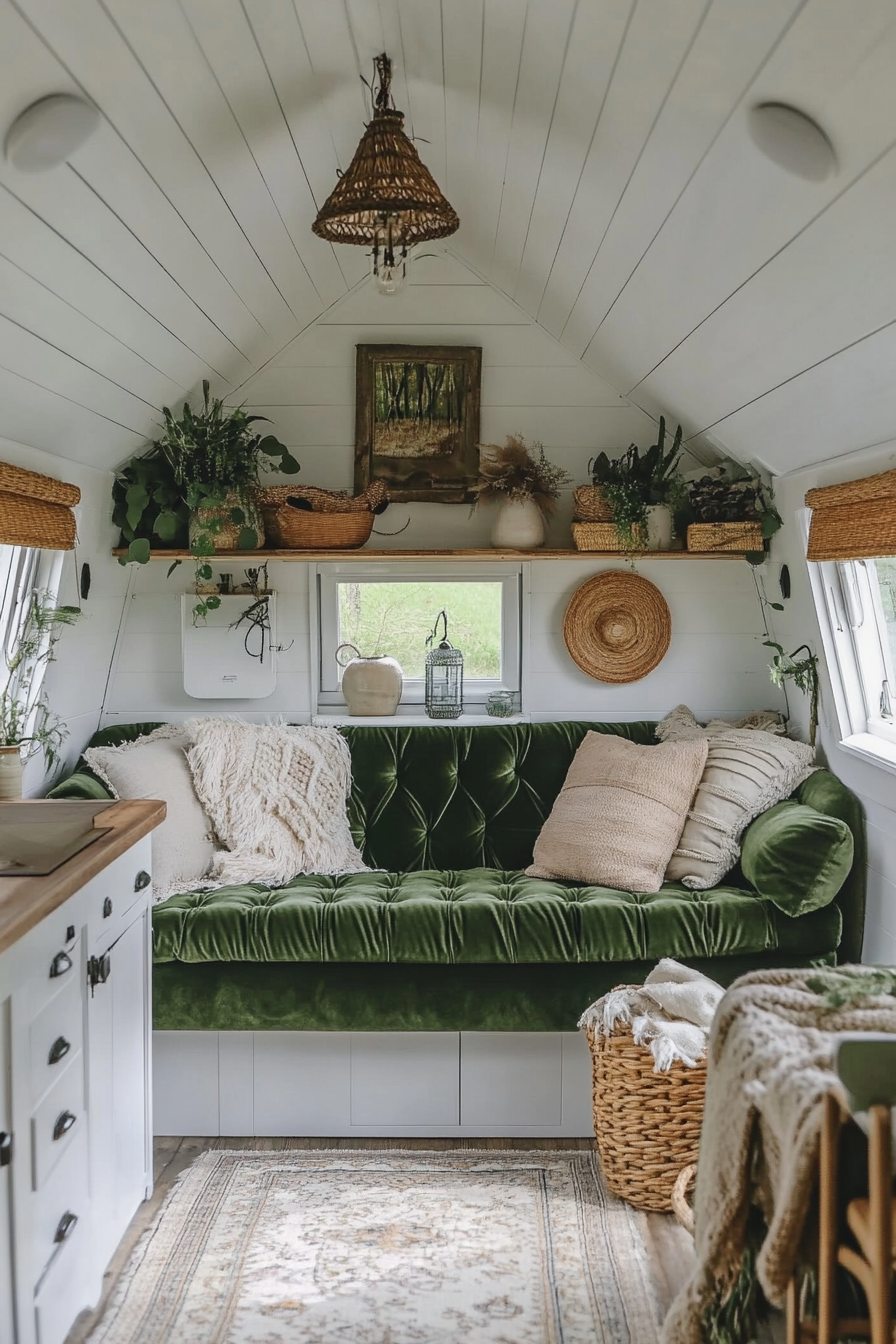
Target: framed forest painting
417, 420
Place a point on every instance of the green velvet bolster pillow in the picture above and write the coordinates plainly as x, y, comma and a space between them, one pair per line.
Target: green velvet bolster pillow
796, 857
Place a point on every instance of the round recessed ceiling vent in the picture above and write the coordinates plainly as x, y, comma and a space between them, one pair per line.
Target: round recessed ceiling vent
792, 140
48, 132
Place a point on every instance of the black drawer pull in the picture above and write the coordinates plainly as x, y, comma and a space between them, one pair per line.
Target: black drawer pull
5, 1148
61, 963
58, 1050
142, 880
107, 907
63, 1124
65, 1228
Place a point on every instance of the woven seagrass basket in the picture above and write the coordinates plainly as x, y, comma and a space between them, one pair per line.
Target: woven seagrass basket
596, 537
647, 1125
335, 521
589, 505
725, 537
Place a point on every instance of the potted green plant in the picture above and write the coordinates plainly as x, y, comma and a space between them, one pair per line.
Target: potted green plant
642, 491
27, 724
730, 509
526, 487
803, 672
196, 483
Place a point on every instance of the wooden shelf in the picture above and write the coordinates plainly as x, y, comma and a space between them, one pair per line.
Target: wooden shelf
486, 553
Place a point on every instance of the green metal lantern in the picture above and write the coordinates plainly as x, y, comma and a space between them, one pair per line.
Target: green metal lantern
444, 675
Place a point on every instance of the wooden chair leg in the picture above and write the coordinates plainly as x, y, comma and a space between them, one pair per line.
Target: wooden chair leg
794, 1334
827, 1221
880, 1204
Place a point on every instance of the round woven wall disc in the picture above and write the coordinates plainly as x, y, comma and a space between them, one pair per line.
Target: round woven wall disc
617, 627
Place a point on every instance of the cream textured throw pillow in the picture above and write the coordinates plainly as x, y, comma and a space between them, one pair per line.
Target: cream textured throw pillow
155, 766
618, 817
277, 795
746, 773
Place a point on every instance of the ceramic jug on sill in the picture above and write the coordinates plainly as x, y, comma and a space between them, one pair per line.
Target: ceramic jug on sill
370, 685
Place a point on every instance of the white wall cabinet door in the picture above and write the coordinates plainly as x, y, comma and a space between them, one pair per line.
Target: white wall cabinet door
117, 1034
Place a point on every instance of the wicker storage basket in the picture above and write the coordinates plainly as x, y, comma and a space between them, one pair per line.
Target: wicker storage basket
647, 1124
335, 522
725, 537
589, 505
596, 537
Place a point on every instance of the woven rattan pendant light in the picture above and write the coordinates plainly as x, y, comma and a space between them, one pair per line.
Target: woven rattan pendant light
387, 200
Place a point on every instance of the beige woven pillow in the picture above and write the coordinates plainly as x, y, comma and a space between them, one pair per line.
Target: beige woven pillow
746, 773
155, 766
618, 817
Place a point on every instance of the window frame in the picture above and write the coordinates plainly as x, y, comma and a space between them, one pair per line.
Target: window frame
325, 623
858, 656
29, 570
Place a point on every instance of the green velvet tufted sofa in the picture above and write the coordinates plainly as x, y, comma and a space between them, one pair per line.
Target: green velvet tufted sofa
448, 934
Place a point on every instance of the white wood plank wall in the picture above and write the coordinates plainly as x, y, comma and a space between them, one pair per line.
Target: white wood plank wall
531, 385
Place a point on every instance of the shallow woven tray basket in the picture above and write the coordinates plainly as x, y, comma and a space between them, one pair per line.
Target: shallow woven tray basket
596, 537
725, 537
647, 1124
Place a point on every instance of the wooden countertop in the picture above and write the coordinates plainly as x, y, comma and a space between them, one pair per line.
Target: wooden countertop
25, 901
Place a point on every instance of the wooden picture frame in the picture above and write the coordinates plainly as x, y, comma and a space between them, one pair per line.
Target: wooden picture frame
417, 421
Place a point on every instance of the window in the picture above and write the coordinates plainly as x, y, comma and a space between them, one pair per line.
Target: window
391, 609
23, 570
858, 598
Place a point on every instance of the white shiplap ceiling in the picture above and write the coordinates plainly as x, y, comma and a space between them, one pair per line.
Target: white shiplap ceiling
596, 151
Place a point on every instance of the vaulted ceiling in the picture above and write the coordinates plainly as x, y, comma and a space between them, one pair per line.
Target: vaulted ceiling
596, 151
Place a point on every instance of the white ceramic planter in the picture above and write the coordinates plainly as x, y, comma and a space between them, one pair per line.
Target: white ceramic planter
659, 527
10, 773
372, 685
518, 525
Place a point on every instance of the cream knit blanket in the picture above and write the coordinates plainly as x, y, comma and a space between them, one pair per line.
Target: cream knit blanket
670, 1014
276, 795
770, 1056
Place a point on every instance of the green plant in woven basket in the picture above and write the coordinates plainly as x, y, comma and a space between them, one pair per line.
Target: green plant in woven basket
203, 466
733, 494
632, 483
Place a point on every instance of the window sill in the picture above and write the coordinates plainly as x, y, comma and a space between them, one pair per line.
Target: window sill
872, 749
410, 720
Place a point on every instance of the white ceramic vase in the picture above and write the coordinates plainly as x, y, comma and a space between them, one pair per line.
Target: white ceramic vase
10, 773
518, 525
659, 527
372, 685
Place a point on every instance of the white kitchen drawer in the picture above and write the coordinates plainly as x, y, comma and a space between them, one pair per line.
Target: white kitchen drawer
64, 1195
63, 1291
53, 952
114, 892
57, 1121
55, 1038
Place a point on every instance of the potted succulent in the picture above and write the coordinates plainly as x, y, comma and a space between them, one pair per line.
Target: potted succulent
525, 485
196, 482
731, 510
642, 491
27, 724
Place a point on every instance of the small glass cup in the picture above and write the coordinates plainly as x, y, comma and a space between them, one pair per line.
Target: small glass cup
500, 704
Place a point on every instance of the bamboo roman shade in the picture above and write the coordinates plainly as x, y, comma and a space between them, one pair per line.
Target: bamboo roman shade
36, 510
853, 521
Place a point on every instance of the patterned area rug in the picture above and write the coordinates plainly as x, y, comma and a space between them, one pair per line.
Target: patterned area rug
388, 1248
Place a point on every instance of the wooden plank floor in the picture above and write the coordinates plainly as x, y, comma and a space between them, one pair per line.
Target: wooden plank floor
669, 1249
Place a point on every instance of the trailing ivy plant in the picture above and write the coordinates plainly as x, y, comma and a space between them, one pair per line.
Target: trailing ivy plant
26, 719
632, 483
803, 672
202, 460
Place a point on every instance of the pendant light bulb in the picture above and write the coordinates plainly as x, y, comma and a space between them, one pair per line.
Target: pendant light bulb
390, 258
